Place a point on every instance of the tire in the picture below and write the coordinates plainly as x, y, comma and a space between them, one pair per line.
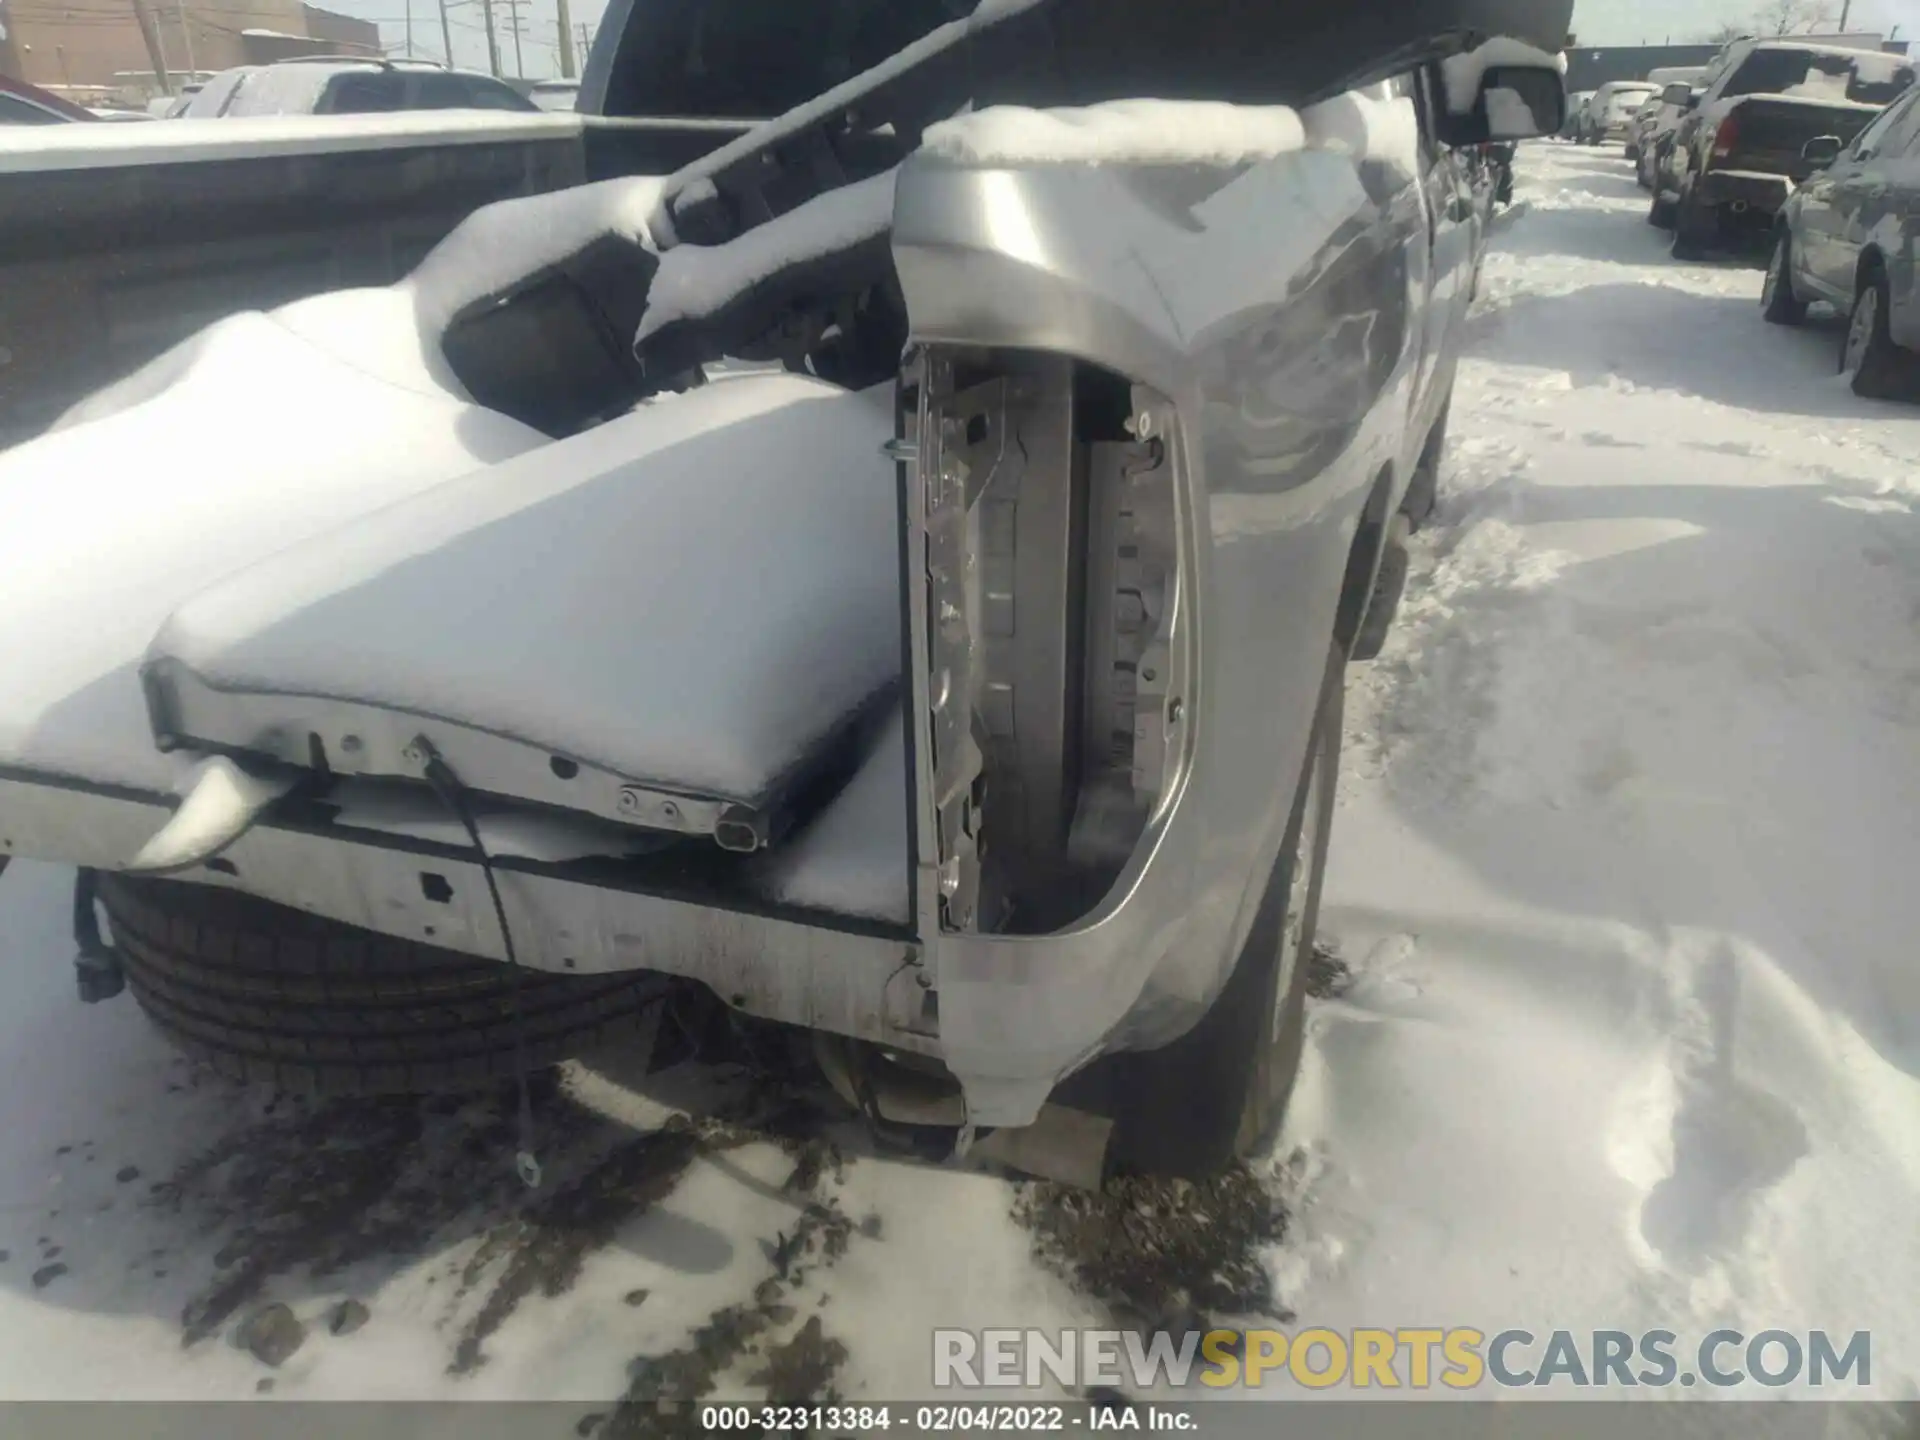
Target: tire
1389, 588
266, 993
1423, 491
1877, 368
1779, 305
1692, 228
1660, 213
1221, 1090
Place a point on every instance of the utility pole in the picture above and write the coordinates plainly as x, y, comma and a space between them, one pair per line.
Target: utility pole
150, 33
493, 44
186, 36
446, 34
566, 40
513, 24
1846, 9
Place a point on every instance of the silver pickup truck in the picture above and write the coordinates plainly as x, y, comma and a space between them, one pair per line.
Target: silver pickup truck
900, 590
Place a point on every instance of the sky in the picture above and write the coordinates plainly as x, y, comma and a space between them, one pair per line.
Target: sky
1595, 22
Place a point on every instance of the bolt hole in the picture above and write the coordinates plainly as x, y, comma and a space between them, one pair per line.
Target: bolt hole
737, 1001
223, 866
568, 962
566, 769
429, 931
435, 888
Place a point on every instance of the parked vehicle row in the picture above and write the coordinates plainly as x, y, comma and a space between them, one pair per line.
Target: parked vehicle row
1609, 114
1740, 149
1812, 148
1849, 237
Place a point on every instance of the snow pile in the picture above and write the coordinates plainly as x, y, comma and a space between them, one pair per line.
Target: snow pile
1463, 74
1118, 132
695, 280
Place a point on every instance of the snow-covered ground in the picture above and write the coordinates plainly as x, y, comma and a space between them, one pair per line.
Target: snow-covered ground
1621, 871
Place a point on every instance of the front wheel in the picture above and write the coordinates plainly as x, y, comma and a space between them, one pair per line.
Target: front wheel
1877, 368
1778, 301
1221, 1090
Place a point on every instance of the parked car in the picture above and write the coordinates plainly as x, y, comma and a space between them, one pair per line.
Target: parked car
348, 86
1736, 156
555, 94
1640, 127
24, 104
1849, 236
1611, 110
1677, 101
548, 686
1657, 118
1577, 105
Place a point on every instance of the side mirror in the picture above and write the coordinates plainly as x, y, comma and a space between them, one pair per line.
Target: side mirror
1679, 93
1821, 150
1516, 102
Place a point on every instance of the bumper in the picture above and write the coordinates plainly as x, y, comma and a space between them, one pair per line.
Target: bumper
1745, 192
1009, 1021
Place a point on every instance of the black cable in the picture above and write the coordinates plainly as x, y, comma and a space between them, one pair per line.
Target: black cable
453, 795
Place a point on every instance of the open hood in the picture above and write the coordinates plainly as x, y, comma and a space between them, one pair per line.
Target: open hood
1286, 52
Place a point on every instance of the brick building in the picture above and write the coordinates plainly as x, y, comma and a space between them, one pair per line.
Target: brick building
95, 47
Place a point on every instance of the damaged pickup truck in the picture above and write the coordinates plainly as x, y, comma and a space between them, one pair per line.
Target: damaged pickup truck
893, 577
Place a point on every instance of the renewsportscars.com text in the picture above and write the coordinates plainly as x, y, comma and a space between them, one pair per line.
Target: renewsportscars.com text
1458, 1358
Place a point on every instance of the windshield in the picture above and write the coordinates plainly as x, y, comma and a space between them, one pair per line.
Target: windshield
1861, 77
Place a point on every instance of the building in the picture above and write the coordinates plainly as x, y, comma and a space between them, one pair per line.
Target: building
96, 49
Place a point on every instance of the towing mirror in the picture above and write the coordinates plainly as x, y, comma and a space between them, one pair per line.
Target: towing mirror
1821, 150
1516, 102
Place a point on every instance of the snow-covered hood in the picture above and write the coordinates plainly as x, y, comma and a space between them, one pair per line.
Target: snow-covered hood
249, 437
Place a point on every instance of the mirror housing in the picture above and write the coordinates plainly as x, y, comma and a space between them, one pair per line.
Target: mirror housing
1821, 150
1516, 102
